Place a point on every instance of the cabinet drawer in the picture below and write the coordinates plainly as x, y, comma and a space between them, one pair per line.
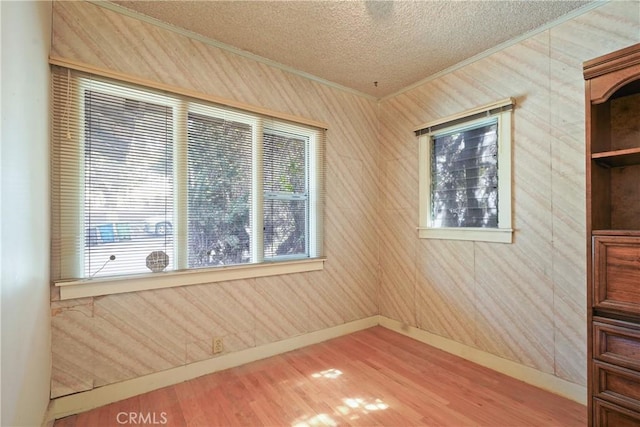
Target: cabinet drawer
617, 273
608, 415
617, 342
617, 385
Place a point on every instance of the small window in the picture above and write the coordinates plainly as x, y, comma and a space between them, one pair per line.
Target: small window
465, 176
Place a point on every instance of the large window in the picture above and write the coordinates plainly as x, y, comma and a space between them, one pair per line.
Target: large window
465, 176
145, 181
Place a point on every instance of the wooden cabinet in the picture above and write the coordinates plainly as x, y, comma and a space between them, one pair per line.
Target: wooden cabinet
613, 236
616, 271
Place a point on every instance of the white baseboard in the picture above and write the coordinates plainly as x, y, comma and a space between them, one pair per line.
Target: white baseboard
49, 419
532, 376
86, 400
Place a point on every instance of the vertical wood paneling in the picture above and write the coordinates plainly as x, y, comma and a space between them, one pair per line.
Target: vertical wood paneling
446, 292
607, 29
217, 310
282, 311
137, 335
117, 337
72, 328
398, 248
524, 301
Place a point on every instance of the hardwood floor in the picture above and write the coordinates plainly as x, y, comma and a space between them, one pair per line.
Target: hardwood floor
371, 377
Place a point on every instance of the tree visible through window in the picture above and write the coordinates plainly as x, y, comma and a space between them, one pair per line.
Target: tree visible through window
219, 155
140, 177
465, 178
285, 197
465, 175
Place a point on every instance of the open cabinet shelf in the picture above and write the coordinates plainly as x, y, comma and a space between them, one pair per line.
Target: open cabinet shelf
618, 158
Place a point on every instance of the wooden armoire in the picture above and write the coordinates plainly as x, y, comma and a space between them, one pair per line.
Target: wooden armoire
613, 237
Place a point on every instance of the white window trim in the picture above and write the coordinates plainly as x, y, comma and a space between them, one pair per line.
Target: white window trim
504, 232
181, 210
276, 128
140, 282
108, 285
75, 266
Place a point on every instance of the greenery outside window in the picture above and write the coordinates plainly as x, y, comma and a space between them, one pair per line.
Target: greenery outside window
465, 175
147, 181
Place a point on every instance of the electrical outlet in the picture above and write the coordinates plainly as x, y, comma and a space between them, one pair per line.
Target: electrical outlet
218, 345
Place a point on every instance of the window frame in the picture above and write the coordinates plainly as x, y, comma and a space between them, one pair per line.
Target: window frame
85, 84
310, 217
181, 106
181, 214
504, 232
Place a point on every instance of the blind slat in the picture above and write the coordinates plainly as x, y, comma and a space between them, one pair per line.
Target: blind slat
155, 180
464, 169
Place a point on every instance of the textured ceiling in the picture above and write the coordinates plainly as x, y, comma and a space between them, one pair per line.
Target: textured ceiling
357, 43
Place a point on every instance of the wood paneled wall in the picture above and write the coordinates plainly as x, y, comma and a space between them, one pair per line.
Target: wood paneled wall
103, 340
525, 302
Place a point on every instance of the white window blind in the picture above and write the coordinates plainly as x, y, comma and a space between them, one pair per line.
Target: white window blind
465, 175
286, 194
220, 180
144, 180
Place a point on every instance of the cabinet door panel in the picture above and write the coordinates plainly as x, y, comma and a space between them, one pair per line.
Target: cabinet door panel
617, 273
617, 342
617, 385
609, 415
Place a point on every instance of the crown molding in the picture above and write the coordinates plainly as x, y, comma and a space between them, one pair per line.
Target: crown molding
217, 44
564, 18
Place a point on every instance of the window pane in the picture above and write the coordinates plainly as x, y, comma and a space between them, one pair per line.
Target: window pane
465, 178
285, 160
128, 184
219, 169
285, 225
286, 198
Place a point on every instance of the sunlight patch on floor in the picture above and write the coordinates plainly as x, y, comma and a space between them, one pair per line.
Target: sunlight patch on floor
362, 405
329, 373
352, 407
318, 420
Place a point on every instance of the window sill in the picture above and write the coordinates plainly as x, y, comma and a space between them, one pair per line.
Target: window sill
494, 235
141, 282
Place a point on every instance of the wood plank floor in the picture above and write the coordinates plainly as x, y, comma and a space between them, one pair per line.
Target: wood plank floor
371, 377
